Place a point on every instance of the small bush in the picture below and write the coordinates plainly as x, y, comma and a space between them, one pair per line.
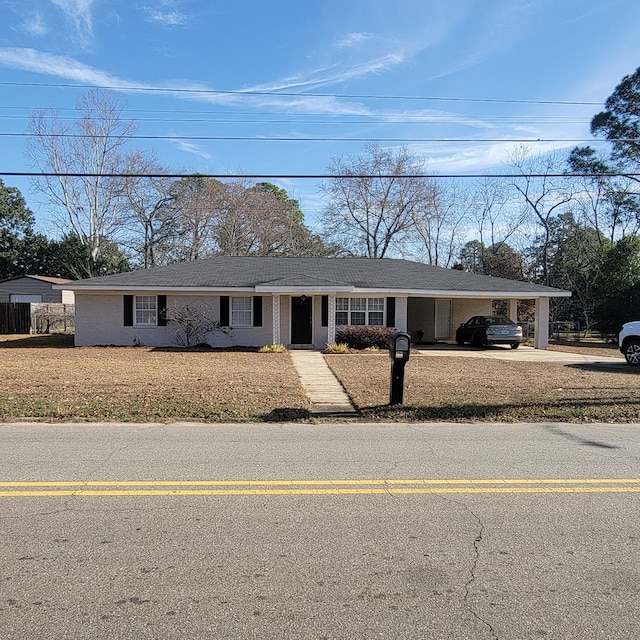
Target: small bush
272, 348
364, 337
337, 347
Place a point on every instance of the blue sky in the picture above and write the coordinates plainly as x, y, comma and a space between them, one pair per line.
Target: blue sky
477, 74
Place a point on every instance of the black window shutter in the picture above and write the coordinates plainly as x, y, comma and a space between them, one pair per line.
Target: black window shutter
162, 311
257, 311
325, 311
128, 311
391, 312
224, 311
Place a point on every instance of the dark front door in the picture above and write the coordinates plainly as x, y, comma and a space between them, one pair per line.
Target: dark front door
301, 324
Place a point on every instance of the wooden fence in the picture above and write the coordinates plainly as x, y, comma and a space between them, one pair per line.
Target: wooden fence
15, 317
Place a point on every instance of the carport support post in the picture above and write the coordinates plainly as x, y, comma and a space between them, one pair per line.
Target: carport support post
513, 309
542, 323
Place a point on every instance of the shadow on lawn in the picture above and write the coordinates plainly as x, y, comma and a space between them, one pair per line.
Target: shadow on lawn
288, 414
38, 341
205, 347
616, 409
618, 366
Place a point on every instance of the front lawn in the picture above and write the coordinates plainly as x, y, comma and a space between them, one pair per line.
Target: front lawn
455, 388
45, 378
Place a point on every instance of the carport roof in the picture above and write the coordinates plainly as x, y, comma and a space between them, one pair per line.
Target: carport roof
277, 275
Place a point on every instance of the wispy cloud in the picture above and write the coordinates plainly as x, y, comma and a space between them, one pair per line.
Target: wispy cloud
165, 12
335, 74
79, 15
63, 67
70, 69
352, 39
190, 147
34, 25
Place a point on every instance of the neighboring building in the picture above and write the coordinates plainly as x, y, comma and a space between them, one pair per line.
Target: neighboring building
298, 302
35, 289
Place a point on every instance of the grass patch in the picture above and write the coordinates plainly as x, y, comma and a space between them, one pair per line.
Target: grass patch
443, 388
142, 384
46, 378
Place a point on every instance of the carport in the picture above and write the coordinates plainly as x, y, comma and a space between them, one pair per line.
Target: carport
434, 319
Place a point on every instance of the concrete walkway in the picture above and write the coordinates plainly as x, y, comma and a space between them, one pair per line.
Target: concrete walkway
327, 395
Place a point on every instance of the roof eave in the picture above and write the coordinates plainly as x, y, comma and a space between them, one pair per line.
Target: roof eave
430, 293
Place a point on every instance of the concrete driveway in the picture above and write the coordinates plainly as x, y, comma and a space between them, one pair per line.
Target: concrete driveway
522, 354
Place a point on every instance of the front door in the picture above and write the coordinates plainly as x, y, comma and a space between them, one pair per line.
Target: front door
301, 320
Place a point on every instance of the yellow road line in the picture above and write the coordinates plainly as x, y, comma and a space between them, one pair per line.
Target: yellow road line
311, 492
321, 482
318, 487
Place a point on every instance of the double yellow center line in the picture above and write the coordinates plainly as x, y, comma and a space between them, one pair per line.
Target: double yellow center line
91, 488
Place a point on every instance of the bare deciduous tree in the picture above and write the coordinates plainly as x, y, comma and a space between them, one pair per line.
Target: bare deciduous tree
240, 219
372, 200
262, 220
545, 195
438, 223
153, 219
196, 204
81, 156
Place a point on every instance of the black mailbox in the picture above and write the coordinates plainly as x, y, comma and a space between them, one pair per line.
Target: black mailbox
399, 345
399, 349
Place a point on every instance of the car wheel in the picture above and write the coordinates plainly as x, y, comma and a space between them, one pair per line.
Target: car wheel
479, 339
515, 345
632, 352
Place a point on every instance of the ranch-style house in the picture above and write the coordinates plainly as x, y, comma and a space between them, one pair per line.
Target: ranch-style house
298, 302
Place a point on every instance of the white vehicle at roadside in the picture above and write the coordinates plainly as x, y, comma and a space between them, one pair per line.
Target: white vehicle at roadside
629, 342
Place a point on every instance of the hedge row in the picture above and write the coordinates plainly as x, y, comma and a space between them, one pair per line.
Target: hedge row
364, 337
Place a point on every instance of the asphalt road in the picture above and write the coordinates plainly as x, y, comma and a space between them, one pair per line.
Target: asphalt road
320, 531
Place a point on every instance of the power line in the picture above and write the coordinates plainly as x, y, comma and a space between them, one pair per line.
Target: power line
317, 138
319, 176
381, 119
276, 94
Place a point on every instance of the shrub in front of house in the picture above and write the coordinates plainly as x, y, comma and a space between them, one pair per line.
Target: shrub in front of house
364, 337
337, 347
272, 348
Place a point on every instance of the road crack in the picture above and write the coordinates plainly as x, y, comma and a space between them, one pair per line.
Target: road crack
477, 542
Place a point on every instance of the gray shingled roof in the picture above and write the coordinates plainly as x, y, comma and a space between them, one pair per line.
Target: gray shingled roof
336, 273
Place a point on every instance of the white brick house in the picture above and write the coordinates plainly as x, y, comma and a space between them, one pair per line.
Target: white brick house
294, 301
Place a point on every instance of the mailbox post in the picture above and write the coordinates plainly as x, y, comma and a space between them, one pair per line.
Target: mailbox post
399, 347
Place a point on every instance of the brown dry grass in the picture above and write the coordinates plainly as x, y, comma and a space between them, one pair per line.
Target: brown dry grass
460, 389
605, 349
43, 377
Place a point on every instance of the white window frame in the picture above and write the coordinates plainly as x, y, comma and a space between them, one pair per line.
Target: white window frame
359, 305
150, 311
239, 311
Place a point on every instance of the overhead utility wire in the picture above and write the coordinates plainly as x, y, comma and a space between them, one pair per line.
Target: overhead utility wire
319, 176
317, 139
284, 94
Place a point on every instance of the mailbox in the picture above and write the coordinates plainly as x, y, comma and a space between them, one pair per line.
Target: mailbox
399, 346
399, 349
